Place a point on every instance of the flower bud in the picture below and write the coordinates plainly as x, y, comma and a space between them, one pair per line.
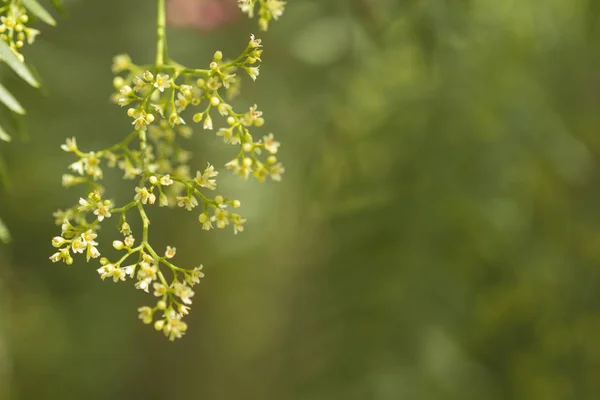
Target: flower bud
148, 76
118, 82
163, 200
158, 325
208, 125
153, 180
236, 204
219, 199
126, 90
263, 24
215, 101
218, 56
58, 241
118, 245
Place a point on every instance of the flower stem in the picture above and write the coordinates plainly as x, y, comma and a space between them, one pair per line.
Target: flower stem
161, 36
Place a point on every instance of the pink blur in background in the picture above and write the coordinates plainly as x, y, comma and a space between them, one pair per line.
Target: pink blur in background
204, 15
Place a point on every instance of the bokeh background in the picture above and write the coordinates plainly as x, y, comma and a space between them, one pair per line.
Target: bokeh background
436, 236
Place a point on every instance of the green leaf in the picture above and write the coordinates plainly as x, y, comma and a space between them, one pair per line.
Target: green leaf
39, 11
9, 101
3, 135
9, 57
4, 233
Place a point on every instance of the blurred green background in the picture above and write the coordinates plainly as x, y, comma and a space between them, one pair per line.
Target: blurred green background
436, 235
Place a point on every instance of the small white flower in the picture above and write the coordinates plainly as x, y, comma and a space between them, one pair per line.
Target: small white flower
103, 210
188, 202
92, 252
276, 171
78, 245
253, 72
238, 223
77, 167
226, 133
142, 194
106, 271
88, 237
162, 82
143, 284
119, 275
125, 229
56, 257
170, 252
193, 277
205, 221
208, 125
70, 145
129, 241
203, 180
68, 180
270, 144
174, 328
183, 310
184, 292
58, 241
160, 289
221, 218
146, 314
255, 42
233, 165
166, 180
129, 270
147, 271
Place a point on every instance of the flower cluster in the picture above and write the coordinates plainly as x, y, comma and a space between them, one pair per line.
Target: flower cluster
158, 98
13, 29
268, 10
170, 93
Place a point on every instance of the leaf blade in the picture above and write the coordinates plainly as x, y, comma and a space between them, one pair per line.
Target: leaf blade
4, 233
9, 57
4, 136
39, 11
9, 101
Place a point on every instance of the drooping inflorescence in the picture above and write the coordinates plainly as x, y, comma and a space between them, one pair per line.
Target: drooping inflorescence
13, 26
267, 10
160, 99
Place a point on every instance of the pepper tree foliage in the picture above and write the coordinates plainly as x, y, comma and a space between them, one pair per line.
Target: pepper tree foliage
161, 98
16, 31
